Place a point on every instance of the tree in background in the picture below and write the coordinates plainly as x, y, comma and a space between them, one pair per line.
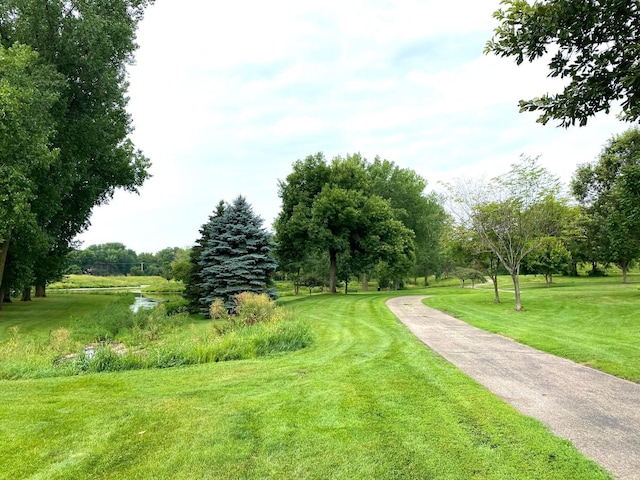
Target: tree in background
236, 258
423, 214
550, 257
592, 44
89, 45
609, 191
329, 207
192, 289
513, 214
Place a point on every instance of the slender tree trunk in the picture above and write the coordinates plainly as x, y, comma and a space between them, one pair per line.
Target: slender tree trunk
346, 287
1, 297
516, 289
624, 267
4, 249
26, 295
426, 276
41, 291
496, 298
365, 283
333, 270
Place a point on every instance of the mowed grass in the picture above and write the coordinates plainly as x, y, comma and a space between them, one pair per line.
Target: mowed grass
594, 322
368, 401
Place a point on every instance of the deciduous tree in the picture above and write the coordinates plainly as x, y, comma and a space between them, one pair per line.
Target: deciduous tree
609, 191
592, 44
513, 214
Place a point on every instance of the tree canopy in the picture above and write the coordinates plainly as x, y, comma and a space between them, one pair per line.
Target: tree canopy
332, 207
591, 44
513, 214
88, 45
609, 191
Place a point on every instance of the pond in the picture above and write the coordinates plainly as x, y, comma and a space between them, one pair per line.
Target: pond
142, 302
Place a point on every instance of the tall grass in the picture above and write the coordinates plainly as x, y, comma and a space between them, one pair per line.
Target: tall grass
116, 339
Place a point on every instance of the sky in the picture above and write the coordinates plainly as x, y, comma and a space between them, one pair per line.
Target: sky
226, 96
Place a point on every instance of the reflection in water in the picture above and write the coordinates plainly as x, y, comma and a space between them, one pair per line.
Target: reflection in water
142, 302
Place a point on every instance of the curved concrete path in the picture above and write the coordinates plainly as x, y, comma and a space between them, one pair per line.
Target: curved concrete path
597, 412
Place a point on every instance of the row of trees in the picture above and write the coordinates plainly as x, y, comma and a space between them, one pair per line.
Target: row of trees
64, 128
116, 259
522, 220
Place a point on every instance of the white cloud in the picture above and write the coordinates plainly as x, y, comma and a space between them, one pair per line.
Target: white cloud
226, 96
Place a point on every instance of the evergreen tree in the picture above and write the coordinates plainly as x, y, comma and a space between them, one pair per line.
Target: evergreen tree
192, 289
236, 257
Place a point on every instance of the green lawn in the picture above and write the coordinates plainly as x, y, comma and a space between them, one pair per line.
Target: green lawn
367, 401
595, 322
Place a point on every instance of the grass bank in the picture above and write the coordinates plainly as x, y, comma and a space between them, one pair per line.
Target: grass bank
367, 401
592, 321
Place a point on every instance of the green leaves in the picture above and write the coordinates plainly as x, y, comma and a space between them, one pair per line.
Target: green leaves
595, 45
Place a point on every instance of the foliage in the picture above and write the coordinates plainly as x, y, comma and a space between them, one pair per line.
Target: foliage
115, 339
192, 288
591, 44
89, 45
513, 215
332, 209
550, 257
28, 92
236, 258
609, 191
472, 274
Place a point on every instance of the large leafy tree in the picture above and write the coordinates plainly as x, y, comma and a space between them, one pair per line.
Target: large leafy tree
28, 90
513, 214
328, 207
592, 44
609, 191
89, 44
422, 213
237, 256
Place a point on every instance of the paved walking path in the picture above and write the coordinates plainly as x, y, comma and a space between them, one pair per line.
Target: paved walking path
597, 412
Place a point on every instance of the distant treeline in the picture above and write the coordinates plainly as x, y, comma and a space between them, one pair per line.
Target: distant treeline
116, 259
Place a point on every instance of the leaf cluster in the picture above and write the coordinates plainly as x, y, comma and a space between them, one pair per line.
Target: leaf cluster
591, 44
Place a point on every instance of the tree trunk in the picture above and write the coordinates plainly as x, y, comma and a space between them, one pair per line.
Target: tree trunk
333, 270
516, 289
624, 267
346, 287
4, 249
496, 298
26, 295
365, 283
1, 297
41, 291
426, 276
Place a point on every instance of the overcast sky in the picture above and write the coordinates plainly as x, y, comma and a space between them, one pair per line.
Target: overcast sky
225, 96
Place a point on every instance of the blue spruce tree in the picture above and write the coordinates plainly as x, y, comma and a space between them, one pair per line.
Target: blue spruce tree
192, 289
236, 257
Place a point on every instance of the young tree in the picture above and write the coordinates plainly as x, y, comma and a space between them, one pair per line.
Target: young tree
609, 191
590, 43
549, 258
236, 258
513, 215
